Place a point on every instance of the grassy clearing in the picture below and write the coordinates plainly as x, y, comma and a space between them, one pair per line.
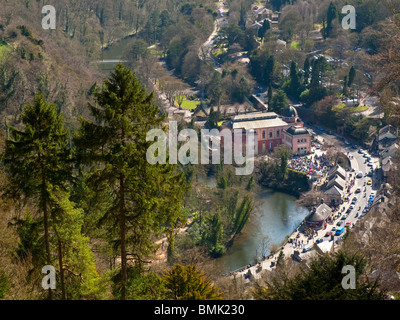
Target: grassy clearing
295, 45
188, 104
354, 109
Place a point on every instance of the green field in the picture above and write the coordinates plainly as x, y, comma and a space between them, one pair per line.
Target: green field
188, 104
295, 45
351, 109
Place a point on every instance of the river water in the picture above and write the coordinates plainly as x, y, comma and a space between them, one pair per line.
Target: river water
276, 215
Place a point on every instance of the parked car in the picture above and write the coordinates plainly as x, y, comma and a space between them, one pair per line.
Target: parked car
319, 240
344, 217
348, 224
306, 249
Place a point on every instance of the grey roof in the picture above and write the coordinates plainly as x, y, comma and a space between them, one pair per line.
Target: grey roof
289, 112
390, 151
388, 129
334, 190
337, 170
320, 213
257, 121
337, 181
296, 130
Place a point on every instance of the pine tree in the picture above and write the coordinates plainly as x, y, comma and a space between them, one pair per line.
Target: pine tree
146, 199
37, 161
331, 15
294, 86
188, 283
242, 20
352, 75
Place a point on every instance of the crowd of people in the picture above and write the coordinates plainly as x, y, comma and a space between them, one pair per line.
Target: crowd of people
317, 165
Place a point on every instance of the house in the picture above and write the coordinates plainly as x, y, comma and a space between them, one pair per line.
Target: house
389, 151
336, 181
387, 166
267, 126
337, 170
264, 14
333, 195
316, 219
272, 130
387, 132
298, 139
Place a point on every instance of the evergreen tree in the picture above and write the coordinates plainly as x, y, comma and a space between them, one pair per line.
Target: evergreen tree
294, 86
188, 283
269, 70
330, 16
352, 75
278, 102
322, 280
37, 161
263, 30
242, 19
146, 199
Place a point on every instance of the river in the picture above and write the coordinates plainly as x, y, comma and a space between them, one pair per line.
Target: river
276, 216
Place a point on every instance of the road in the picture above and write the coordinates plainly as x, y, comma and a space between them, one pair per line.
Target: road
358, 163
205, 50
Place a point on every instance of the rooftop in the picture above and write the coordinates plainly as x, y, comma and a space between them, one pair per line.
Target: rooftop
297, 130
319, 214
257, 120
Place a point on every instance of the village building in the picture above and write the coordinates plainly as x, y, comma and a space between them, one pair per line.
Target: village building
316, 219
333, 196
272, 130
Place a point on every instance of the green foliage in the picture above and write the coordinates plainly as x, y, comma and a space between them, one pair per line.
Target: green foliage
37, 158
269, 175
278, 102
140, 285
146, 199
242, 215
321, 281
188, 283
